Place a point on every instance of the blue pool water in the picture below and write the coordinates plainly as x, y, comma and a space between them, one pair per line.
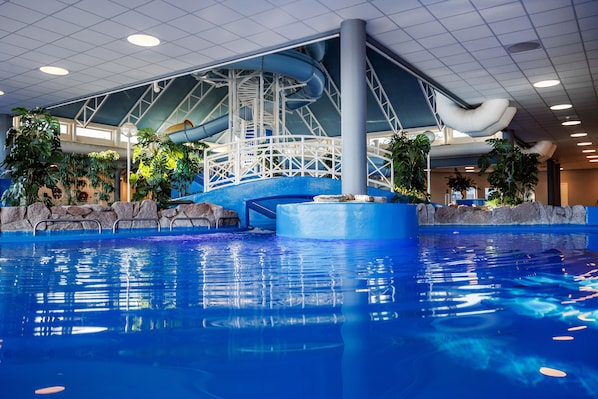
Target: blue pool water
459, 314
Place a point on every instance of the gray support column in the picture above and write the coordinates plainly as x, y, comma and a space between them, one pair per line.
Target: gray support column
353, 107
553, 175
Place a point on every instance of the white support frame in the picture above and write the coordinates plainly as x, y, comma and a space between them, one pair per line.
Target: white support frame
146, 101
196, 95
89, 109
430, 95
382, 99
287, 155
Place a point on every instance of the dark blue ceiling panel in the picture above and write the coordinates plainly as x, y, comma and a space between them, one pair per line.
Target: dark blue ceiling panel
404, 92
401, 87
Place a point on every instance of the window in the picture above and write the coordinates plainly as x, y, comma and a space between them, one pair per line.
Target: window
93, 133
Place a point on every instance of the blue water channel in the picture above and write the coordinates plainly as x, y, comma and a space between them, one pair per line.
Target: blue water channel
457, 314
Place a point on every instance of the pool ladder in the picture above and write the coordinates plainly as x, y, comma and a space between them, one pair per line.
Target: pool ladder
66, 221
131, 220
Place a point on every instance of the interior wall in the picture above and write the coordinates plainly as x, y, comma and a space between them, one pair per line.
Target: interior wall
582, 185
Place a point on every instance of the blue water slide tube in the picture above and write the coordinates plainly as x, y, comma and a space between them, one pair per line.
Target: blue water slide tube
293, 64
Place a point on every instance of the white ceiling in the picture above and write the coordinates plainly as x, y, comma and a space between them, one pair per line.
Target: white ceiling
461, 44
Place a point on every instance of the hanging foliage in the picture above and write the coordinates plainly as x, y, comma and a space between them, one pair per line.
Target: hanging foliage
161, 163
409, 163
72, 171
102, 173
513, 174
188, 166
33, 152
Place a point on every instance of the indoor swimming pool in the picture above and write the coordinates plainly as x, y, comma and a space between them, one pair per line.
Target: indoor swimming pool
462, 314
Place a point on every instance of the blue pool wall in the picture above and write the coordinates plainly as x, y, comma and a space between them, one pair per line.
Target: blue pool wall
282, 189
348, 220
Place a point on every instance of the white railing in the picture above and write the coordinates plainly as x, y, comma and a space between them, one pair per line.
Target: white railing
287, 155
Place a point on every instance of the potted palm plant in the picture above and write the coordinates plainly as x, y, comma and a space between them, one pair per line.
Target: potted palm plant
460, 183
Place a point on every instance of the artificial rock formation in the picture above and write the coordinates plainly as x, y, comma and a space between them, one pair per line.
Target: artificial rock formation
143, 214
527, 213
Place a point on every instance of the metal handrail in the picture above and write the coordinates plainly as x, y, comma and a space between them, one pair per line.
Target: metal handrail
66, 221
228, 218
115, 225
288, 155
173, 221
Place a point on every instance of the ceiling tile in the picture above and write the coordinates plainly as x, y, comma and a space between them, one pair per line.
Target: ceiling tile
587, 9
76, 16
19, 13
544, 5
551, 17
218, 12
502, 12
557, 29
463, 21
416, 17
248, 8
433, 42
166, 11
273, 18
512, 25
450, 8
481, 44
364, 11
475, 32
426, 30
518, 37
104, 9
394, 6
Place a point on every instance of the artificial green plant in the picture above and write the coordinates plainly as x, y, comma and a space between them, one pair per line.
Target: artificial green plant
72, 171
460, 183
33, 152
102, 173
513, 172
409, 163
161, 163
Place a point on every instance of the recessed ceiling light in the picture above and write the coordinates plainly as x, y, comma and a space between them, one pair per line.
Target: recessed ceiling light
571, 123
54, 70
470, 167
593, 160
547, 83
559, 107
143, 40
580, 134
591, 156
584, 143
1, 93
587, 151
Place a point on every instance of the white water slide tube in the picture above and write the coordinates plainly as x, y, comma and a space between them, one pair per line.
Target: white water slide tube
490, 117
293, 64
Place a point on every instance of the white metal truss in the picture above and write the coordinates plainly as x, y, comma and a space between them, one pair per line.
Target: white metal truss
308, 117
89, 109
381, 98
332, 91
430, 95
152, 93
196, 95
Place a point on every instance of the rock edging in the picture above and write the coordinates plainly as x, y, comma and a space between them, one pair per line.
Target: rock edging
24, 218
528, 213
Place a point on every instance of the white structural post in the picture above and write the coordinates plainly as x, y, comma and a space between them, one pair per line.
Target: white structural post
128, 130
353, 107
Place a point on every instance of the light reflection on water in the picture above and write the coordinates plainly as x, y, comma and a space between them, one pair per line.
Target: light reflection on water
253, 315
